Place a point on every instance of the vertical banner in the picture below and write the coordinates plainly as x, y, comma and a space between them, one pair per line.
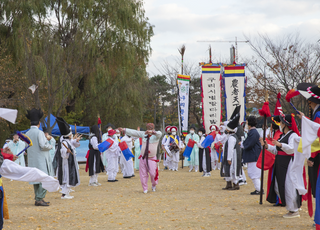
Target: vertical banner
235, 90
183, 82
211, 96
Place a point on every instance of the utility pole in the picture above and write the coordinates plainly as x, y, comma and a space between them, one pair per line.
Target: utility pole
236, 46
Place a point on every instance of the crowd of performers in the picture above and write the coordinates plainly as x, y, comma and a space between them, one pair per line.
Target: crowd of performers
232, 146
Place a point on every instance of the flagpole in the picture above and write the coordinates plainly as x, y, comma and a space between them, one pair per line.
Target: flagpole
181, 51
264, 138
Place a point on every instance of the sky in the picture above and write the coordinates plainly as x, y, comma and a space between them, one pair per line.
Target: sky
179, 22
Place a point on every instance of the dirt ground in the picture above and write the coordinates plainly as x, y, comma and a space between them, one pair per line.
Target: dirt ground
183, 200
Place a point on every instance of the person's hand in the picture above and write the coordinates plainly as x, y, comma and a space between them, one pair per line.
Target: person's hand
276, 143
229, 162
48, 137
217, 132
239, 143
78, 138
7, 150
120, 129
69, 151
14, 157
310, 163
300, 114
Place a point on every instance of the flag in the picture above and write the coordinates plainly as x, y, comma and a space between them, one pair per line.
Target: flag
125, 150
9, 114
278, 108
208, 140
183, 82
188, 150
105, 145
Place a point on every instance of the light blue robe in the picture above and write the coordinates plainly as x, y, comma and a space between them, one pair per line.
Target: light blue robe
137, 152
194, 157
52, 151
17, 148
38, 153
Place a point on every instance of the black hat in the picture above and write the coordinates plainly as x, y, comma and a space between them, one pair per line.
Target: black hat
193, 127
109, 125
235, 111
64, 127
310, 91
34, 115
286, 119
276, 120
233, 123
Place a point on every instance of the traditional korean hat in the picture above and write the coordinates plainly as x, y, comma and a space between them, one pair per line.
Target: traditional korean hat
173, 128
111, 132
289, 121
34, 115
64, 127
276, 120
167, 129
213, 128
235, 111
109, 125
233, 124
310, 91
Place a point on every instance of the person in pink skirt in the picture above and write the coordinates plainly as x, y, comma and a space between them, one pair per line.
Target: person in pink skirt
148, 158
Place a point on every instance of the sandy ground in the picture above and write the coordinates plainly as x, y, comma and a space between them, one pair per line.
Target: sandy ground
183, 200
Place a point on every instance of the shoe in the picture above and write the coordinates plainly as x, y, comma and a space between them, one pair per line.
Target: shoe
40, 203
190, 170
235, 186
145, 191
98, 184
196, 171
71, 190
176, 170
228, 186
133, 175
166, 168
255, 192
241, 182
111, 180
67, 197
93, 184
127, 177
292, 215
115, 180
153, 188
46, 202
279, 205
207, 175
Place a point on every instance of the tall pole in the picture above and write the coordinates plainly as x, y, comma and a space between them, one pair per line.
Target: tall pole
264, 138
181, 51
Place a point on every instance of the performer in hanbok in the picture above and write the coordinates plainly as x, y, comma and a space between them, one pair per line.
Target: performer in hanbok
108, 127
166, 157
94, 163
148, 158
251, 151
231, 163
51, 141
67, 167
193, 161
16, 146
38, 154
204, 154
215, 149
137, 151
112, 154
312, 93
172, 147
282, 184
128, 170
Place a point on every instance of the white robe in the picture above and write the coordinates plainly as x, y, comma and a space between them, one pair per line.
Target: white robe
127, 166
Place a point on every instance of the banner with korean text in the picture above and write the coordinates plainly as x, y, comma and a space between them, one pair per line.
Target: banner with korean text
211, 95
183, 82
235, 89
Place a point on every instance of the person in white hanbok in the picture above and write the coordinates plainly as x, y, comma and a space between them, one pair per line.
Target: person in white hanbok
112, 154
67, 168
16, 146
166, 157
128, 170
173, 139
105, 137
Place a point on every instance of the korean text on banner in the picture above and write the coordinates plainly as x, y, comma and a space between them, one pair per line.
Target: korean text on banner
183, 85
211, 96
234, 83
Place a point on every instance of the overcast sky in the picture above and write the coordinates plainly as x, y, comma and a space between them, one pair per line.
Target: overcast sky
180, 22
